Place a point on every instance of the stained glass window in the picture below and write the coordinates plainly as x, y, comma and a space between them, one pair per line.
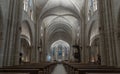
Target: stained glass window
26, 5
94, 5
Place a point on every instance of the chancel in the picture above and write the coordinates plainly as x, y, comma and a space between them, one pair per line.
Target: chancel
59, 36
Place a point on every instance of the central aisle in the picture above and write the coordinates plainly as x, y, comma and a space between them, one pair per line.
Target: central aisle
59, 69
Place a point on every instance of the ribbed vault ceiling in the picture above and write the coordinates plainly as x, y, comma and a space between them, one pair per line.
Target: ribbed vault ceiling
60, 42
60, 18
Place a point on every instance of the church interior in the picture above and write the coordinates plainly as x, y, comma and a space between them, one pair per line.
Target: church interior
59, 36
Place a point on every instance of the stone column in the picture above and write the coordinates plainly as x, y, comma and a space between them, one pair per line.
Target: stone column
83, 40
56, 55
1, 36
107, 45
44, 52
35, 46
71, 54
12, 35
63, 54
17, 32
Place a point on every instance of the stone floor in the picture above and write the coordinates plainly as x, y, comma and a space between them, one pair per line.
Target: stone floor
59, 69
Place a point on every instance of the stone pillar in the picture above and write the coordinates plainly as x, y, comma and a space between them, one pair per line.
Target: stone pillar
34, 49
83, 40
63, 54
56, 55
107, 45
44, 51
1, 36
33, 54
11, 44
17, 32
71, 54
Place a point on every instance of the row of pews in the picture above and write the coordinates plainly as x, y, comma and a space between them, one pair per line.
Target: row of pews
35, 68
77, 68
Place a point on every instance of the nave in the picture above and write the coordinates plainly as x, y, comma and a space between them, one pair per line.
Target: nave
60, 36
59, 69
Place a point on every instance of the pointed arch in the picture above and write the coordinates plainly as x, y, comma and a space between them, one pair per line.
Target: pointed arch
26, 30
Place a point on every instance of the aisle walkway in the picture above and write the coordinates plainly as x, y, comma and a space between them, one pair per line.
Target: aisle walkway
59, 69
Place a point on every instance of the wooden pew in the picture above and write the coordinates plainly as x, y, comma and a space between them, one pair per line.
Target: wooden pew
19, 71
77, 68
35, 68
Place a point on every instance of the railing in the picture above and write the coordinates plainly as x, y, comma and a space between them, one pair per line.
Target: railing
35, 68
77, 68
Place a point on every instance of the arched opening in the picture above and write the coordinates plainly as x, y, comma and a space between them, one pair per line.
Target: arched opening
25, 52
59, 51
26, 43
59, 20
94, 43
92, 8
26, 31
95, 56
59, 26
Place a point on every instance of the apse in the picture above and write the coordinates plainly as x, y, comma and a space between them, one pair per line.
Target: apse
60, 51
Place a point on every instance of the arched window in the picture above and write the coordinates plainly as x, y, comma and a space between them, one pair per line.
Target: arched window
94, 5
26, 5
90, 10
30, 3
31, 9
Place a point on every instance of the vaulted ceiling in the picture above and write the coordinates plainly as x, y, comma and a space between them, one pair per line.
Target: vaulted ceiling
60, 19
